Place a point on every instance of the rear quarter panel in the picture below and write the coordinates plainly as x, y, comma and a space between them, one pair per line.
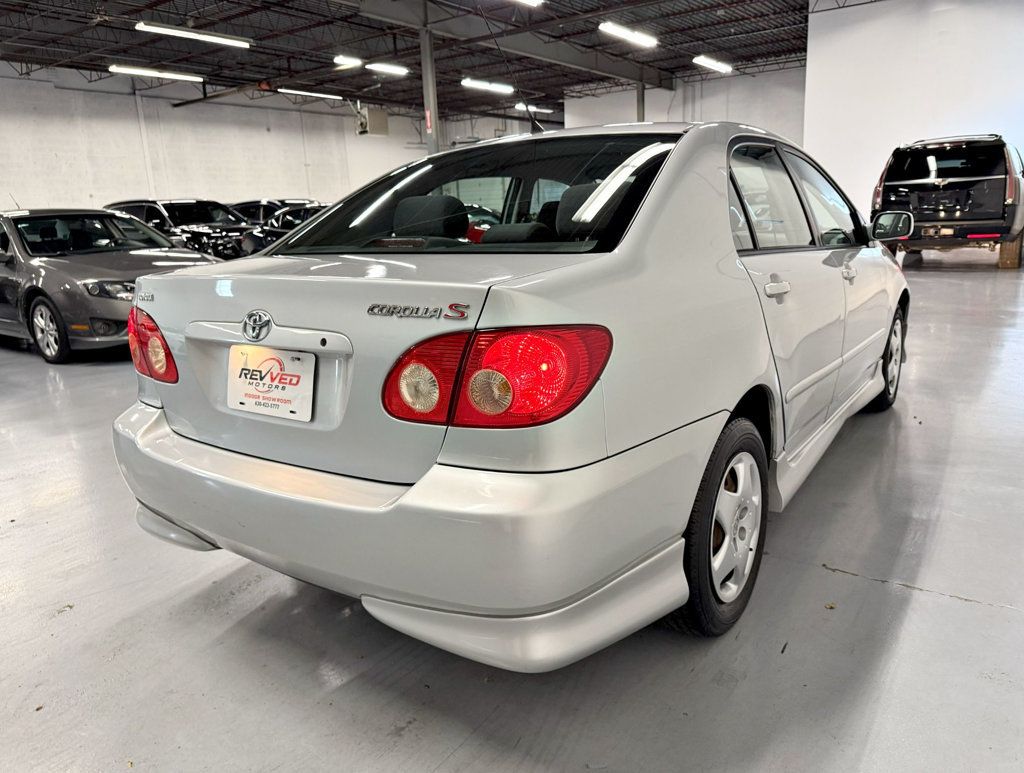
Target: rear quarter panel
689, 337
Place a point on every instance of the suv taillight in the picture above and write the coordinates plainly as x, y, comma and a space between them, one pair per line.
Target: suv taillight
150, 352
515, 377
1011, 178
877, 200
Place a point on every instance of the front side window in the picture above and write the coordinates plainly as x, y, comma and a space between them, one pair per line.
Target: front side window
79, 234
200, 213
772, 201
595, 185
832, 214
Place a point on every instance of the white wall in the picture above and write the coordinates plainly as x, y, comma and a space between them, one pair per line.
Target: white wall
884, 74
67, 143
620, 107
772, 100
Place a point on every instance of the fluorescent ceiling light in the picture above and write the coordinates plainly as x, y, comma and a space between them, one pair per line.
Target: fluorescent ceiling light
344, 61
531, 3
522, 106
314, 94
390, 69
497, 88
641, 39
145, 72
712, 64
185, 32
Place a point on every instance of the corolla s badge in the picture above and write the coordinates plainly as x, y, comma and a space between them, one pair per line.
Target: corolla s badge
256, 325
454, 311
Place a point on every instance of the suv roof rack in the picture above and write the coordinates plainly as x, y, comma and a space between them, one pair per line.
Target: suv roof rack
958, 138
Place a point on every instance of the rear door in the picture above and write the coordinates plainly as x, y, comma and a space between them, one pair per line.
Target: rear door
862, 268
800, 287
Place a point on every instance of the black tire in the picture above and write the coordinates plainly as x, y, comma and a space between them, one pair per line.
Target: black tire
705, 613
912, 258
887, 396
57, 349
1010, 252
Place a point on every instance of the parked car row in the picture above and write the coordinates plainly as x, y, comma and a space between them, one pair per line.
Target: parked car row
67, 276
219, 229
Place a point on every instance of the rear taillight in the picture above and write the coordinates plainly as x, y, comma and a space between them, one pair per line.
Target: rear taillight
420, 385
150, 352
517, 377
877, 200
1011, 178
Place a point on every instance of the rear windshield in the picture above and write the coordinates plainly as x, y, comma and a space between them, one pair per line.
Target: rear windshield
923, 164
66, 235
569, 194
200, 212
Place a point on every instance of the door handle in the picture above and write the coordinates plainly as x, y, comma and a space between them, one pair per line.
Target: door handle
775, 289
849, 272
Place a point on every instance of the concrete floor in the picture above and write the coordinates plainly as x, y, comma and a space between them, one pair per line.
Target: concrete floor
886, 631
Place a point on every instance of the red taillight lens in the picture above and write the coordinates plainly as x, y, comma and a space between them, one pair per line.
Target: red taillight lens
420, 385
150, 352
877, 200
518, 377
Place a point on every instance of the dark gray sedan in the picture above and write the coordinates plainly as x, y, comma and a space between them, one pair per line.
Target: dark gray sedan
67, 277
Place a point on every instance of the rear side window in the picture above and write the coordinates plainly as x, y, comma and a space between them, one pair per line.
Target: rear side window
771, 200
923, 164
545, 194
738, 222
831, 212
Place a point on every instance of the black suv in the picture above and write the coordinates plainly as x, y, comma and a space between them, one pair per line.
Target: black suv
961, 190
202, 225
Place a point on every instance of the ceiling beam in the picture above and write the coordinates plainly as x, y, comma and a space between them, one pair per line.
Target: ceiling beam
479, 30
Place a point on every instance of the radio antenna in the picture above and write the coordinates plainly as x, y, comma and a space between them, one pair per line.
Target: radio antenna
535, 125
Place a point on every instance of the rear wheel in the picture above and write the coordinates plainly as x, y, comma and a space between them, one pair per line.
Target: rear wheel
892, 365
725, 534
48, 333
912, 258
1010, 252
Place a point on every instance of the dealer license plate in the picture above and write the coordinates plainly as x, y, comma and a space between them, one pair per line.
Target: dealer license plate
271, 382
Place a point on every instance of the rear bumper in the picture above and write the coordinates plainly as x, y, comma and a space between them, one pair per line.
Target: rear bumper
523, 571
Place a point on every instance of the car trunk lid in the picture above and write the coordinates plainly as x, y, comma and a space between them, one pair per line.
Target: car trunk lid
348, 319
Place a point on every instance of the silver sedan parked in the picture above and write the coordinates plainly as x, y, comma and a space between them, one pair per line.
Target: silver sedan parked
524, 448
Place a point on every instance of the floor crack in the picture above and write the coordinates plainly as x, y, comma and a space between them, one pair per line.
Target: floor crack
908, 586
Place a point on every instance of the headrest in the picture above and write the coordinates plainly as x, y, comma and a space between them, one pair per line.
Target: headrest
548, 214
507, 233
431, 216
48, 232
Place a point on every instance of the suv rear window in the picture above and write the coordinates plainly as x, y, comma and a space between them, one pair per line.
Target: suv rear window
590, 188
912, 164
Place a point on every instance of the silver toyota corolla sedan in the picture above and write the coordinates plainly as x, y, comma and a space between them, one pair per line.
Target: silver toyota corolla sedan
523, 448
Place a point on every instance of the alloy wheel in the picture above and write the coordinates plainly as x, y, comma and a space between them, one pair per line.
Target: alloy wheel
44, 330
895, 361
736, 527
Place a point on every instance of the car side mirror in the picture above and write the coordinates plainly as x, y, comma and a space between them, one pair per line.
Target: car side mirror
892, 225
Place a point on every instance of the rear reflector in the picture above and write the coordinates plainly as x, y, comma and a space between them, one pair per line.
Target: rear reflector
983, 236
150, 352
516, 377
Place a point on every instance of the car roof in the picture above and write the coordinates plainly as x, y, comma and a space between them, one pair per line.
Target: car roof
956, 140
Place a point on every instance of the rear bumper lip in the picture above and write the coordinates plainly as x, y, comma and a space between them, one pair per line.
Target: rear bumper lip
527, 571
544, 642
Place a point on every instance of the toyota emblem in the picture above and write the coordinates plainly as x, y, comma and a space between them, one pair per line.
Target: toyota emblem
256, 325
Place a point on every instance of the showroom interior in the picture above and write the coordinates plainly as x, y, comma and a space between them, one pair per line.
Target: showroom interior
886, 628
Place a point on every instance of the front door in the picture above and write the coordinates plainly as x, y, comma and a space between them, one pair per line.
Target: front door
800, 288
